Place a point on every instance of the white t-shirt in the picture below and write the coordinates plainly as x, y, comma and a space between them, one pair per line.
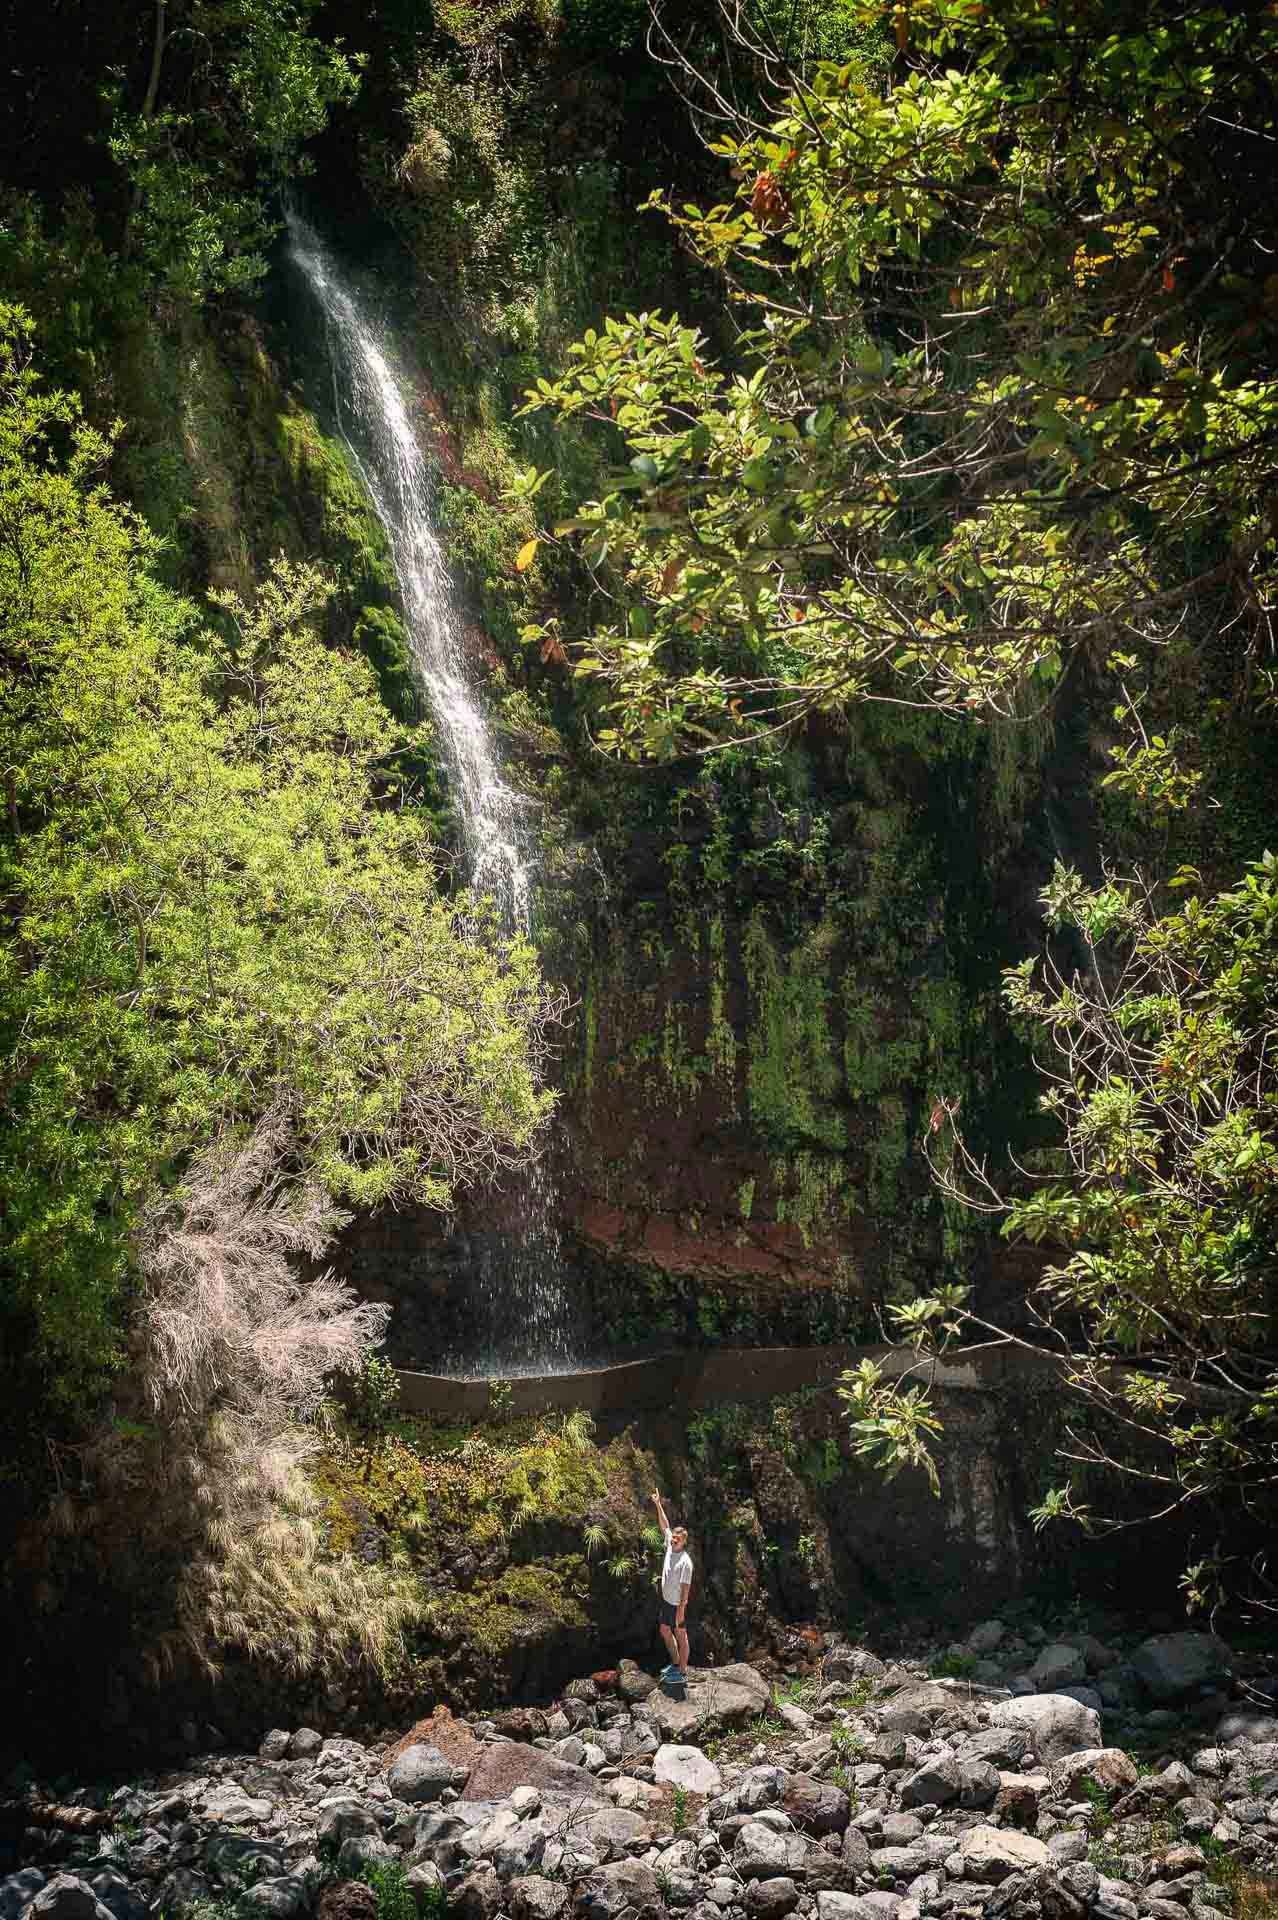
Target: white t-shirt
676, 1573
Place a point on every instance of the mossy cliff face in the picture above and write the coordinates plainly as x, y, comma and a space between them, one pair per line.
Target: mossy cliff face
797, 958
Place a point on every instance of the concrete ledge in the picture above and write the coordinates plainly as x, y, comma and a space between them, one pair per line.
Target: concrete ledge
705, 1375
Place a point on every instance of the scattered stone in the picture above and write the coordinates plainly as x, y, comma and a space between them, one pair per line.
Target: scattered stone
633, 1684
609, 1891
455, 1740
478, 1897
533, 1898
686, 1767
771, 1899
66, 1897
1058, 1665
419, 1774
991, 1853
987, 1637
1056, 1725
305, 1744
505, 1766
347, 1900
274, 1745
934, 1784
816, 1806
1108, 1768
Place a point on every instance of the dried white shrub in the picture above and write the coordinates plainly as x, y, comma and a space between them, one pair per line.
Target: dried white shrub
232, 1348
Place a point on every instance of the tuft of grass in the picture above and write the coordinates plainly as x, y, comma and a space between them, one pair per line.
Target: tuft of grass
679, 1815
953, 1666
395, 1898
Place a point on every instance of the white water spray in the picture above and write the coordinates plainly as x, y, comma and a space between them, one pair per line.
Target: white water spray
520, 1311
379, 435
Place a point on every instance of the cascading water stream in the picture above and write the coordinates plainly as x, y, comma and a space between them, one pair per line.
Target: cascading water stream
521, 1317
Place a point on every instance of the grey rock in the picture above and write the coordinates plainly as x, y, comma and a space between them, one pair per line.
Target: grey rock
605, 1893
846, 1664
686, 1767
615, 1829
842, 1906
274, 1745
1003, 1747
901, 1863
305, 1744
794, 1718
771, 1899
1056, 1725
992, 1853
761, 1853
899, 1829
979, 1783
985, 1638
534, 1898
1068, 1846
283, 1898
478, 1897
1245, 1727
420, 1774
1058, 1665
633, 1683
935, 1784
18, 1890
1175, 1666
719, 1699
856, 1850
344, 1819
816, 1806
67, 1897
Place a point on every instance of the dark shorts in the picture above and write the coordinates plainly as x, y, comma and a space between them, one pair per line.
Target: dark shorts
669, 1613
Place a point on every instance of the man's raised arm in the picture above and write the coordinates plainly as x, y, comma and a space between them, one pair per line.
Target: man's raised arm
662, 1522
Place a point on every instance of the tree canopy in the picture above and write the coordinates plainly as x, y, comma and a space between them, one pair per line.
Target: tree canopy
1000, 394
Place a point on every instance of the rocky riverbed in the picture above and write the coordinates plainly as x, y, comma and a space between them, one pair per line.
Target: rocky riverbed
1010, 1775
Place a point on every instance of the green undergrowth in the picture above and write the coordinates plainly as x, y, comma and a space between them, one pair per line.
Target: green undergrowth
526, 1521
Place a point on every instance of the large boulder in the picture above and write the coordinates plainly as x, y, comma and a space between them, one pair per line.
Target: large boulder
992, 1853
719, 1699
1057, 1725
419, 1774
686, 1767
1177, 1666
505, 1766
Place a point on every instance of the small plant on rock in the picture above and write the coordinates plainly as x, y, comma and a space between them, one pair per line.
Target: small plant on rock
395, 1898
953, 1666
679, 1817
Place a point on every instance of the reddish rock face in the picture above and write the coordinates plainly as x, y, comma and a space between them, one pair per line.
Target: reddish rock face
451, 1737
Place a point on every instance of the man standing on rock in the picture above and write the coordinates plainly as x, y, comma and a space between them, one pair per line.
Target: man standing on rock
676, 1585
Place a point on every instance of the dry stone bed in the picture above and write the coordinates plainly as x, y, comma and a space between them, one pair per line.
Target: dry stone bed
881, 1794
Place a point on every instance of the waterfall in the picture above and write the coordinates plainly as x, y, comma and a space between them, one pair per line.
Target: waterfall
521, 1318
